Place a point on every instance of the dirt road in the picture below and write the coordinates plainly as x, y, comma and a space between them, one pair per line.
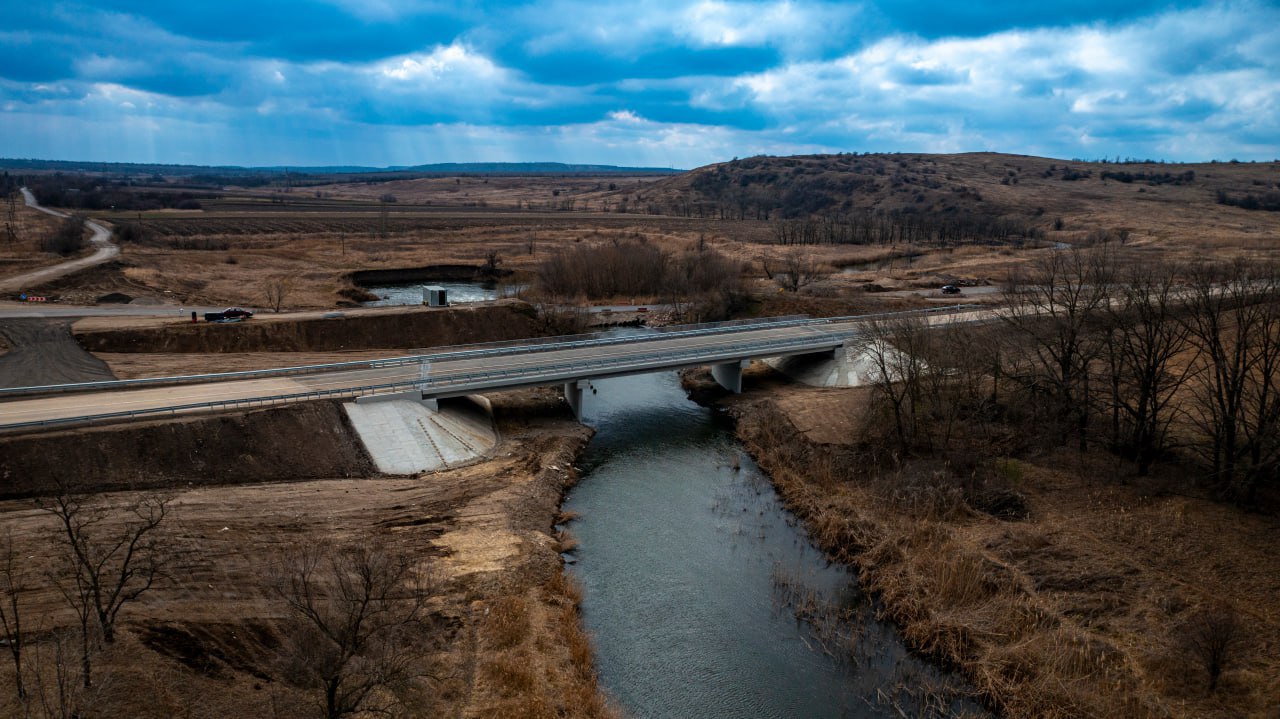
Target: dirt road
101, 240
42, 351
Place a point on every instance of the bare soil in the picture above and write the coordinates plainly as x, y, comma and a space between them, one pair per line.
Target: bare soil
204, 642
395, 328
42, 351
308, 440
1082, 609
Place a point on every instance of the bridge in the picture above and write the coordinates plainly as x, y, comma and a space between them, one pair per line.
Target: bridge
570, 362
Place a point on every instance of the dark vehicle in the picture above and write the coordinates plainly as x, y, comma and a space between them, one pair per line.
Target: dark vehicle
230, 314
950, 290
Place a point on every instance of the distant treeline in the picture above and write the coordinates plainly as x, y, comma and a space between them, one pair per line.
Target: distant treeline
1151, 178
80, 192
890, 227
1269, 201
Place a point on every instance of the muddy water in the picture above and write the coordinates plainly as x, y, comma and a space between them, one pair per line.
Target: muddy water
693, 571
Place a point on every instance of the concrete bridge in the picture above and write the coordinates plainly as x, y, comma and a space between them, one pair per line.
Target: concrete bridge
569, 362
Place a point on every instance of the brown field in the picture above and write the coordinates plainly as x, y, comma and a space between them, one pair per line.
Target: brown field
1081, 609
226, 253
204, 642
25, 253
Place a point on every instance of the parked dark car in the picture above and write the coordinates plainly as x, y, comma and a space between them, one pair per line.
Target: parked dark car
950, 290
233, 312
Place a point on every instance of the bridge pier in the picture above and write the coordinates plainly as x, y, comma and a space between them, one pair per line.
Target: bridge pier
729, 375
573, 392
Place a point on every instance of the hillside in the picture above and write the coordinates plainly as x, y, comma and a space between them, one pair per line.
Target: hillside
1151, 201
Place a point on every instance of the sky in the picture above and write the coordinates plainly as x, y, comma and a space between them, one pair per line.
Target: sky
664, 83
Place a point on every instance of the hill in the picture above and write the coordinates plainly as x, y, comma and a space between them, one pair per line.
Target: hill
992, 193
443, 168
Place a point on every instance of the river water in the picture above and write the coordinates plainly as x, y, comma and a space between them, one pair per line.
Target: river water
458, 293
688, 559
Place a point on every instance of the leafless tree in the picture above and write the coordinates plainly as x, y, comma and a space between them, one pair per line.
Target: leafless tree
360, 623
1234, 322
13, 584
1144, 335
277, 289
11, 217
55, 683
1214, 637
491, 262
897, 349
794, 270
112, 559
1055, 308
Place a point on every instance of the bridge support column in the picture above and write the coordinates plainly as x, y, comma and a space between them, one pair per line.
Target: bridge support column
573, 392
729, 375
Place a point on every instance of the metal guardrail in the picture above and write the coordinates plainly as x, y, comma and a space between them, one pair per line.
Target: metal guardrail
471, 381
453, 352
482, 349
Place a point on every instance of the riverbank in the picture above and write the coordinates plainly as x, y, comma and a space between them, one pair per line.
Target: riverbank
506, 639
1073, 594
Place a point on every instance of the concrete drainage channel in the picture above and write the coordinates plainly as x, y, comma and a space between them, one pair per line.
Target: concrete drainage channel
405, 435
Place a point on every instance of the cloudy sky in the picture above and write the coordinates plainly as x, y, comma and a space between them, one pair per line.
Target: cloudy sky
660, 83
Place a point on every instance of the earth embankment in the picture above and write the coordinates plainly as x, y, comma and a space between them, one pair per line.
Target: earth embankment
304, 441
42, 351
402, 329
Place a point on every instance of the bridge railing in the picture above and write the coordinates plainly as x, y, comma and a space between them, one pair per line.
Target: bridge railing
471, 351
450, 352
474, 380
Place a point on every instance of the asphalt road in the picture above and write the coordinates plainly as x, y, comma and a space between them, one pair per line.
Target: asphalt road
659, 353
101, 240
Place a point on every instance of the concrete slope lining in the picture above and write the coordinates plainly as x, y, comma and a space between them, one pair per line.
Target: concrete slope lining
404, 436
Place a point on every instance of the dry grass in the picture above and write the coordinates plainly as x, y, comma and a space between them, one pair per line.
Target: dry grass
201, 644
1078, 611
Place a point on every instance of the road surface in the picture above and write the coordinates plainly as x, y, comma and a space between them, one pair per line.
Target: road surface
101, 240
526, 368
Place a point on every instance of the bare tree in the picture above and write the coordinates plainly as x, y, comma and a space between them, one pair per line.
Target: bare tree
1234, 322
11, 217
491, 262
112, 560
54, 675
360, 623
1214, 637
277, 289
13, 584
1055, 309
1144, 335
897, 349
795, 269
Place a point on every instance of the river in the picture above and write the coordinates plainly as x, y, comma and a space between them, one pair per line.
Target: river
457, 292
688, 561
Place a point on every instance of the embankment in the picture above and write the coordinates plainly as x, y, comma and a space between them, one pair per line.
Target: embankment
403, 329
504, 637
1080, 605
310, 440
427, 273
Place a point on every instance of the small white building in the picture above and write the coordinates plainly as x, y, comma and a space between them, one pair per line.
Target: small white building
433, 296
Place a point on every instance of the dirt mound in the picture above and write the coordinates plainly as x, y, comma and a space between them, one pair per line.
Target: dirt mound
303, 441
411, 328
42, 351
